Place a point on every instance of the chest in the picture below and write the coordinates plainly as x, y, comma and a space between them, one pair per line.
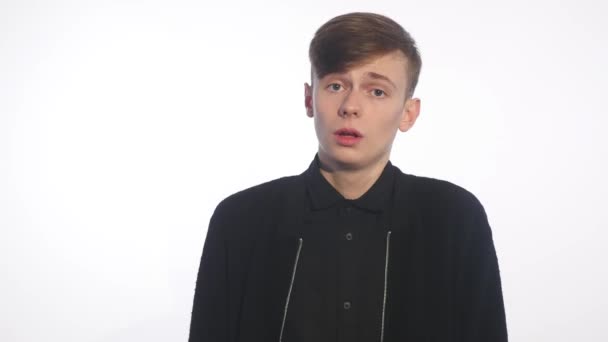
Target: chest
337, 292
339, 270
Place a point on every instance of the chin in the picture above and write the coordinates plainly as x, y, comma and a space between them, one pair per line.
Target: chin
343, 158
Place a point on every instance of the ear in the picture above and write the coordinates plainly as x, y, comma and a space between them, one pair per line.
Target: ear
308, 100
411, 110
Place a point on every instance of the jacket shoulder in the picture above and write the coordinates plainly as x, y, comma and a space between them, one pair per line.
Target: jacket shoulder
257, 196
444, 210
440, 197
251, 206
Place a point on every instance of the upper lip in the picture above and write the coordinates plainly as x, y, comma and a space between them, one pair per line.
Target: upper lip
346, 130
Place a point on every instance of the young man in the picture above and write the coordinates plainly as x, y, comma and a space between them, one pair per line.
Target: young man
352, 249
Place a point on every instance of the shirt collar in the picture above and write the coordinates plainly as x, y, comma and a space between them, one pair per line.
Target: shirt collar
323, 195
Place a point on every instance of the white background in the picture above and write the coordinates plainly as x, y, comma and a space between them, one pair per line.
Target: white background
124, 123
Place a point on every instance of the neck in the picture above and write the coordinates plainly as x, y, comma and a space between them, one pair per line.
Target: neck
352, 183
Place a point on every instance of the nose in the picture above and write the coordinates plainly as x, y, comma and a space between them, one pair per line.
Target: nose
350, 106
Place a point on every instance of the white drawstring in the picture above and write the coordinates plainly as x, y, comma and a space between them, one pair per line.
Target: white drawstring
293, 277
386, 258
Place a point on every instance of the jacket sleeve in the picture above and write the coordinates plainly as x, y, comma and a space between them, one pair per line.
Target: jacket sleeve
209, 322
482, 307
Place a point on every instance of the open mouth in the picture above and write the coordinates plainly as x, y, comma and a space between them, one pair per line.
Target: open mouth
348, 136
348, 132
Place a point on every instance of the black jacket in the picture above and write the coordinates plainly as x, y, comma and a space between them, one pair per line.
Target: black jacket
442, 276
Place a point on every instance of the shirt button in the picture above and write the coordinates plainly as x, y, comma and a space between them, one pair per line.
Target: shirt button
348, 210
349, 236
347, 305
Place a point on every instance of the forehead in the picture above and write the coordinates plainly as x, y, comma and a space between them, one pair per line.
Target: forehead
391, 65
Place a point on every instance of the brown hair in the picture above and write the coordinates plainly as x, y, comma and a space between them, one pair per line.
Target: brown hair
351, 39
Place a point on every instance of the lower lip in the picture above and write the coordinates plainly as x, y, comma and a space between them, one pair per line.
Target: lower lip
347, 140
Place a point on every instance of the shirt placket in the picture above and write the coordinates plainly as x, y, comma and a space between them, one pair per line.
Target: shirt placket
346, 304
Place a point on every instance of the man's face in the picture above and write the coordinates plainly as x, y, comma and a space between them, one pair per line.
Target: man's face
357, 113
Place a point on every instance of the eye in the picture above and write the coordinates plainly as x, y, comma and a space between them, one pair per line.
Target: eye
335, 87
378, 93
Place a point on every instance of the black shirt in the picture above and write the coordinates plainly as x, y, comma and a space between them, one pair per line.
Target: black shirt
339, 284
443, 280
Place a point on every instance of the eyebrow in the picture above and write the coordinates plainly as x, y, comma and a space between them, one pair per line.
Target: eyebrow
377, 76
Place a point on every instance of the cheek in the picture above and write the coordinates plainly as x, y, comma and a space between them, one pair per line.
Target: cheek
323, 113
326, 103
386, 126
394, 118
321, 124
